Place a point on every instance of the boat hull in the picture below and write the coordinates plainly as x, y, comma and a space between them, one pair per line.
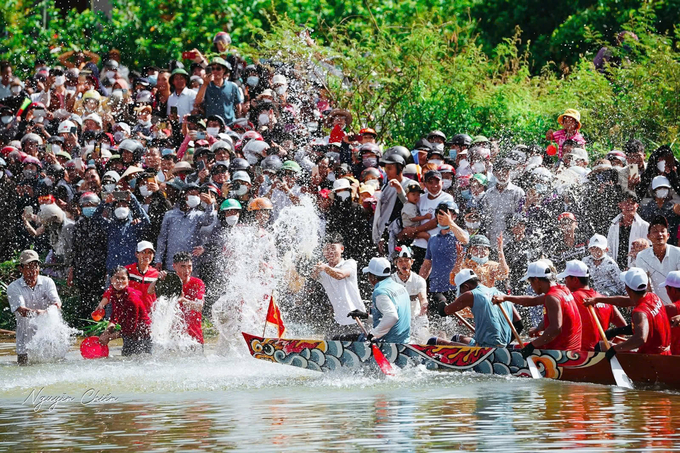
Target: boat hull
578, 366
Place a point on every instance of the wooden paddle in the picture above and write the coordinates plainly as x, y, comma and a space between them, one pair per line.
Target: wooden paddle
620, 376
384, 364
464, 322
533, 369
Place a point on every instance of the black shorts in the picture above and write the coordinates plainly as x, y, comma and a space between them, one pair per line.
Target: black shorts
135, 345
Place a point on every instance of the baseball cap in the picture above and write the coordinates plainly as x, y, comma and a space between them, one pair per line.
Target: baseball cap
341, 184
432, 174
566, 215
575, 268
404, 251
28, 256
635, 278
660, 181
379, 267
479, 240
413, 186
463, 276
144, 245
672, 280
598, 241
537, 269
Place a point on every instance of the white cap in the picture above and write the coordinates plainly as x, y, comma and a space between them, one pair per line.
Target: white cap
660, 181
635, 278
579, 153
598, 241
241, 176
94, 117
341, 184
124, 127
672, 280
538, 269
112, 174
379, 267
65, 127
464, 276
144, 245
575, 268
279, 79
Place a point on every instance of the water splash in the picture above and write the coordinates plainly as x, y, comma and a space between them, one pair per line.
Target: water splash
53, 337
261, 262
169, 328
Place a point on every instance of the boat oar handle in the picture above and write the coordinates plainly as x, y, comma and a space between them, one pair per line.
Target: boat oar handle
596, 320
464, 321
361, 325
512, 326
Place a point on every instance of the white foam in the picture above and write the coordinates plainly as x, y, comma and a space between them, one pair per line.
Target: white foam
53, 337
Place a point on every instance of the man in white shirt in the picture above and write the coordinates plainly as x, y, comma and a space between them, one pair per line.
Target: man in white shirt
182, 97
500, 201
660, 259
28, 297
416, 286
339, 279
433, 196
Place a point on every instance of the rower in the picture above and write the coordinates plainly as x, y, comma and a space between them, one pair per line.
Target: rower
650, 326
577, 278
672, 285
390, 306
561, 323
491, 329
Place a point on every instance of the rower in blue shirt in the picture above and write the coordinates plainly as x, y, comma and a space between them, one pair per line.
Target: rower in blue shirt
491, 328
390, 306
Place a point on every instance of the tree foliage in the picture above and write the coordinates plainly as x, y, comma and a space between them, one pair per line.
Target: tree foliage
410, 66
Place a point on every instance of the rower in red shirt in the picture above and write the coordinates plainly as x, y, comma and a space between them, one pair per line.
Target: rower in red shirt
672, 285
561, 324
129, 311
650, 326
193, 291
577, 278
143, 274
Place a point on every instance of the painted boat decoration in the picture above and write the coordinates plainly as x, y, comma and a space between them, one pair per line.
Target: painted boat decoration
577, 366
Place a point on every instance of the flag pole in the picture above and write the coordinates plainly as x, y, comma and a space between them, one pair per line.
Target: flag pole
266, 314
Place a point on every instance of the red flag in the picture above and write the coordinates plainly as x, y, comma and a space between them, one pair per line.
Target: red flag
274, 316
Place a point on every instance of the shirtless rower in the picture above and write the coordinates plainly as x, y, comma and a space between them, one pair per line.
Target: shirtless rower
561, 325
491, 328
577, 278
650, 326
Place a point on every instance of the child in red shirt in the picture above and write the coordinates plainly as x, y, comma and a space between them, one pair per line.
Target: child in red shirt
130, 312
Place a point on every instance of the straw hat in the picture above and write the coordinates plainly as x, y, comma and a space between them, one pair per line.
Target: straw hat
341, 112
571, 113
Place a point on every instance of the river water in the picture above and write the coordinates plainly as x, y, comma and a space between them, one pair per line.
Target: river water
238, 403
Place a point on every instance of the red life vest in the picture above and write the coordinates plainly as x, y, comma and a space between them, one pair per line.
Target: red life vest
141, 283
675, 333
570, 337
659, 338
590, 335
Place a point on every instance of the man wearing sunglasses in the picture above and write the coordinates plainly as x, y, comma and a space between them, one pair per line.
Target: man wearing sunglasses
218, 95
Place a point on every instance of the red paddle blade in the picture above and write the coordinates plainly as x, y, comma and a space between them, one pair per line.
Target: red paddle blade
381, 360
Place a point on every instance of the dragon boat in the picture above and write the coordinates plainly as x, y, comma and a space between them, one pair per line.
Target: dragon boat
576, 366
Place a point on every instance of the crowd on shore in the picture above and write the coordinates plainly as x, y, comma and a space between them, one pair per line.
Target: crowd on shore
115, 176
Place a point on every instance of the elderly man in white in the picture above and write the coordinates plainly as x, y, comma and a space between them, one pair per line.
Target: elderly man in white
30, 296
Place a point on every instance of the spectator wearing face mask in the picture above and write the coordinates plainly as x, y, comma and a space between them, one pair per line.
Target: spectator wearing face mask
180, 227
125, 227
477, 258
500, 201
663, 205
88, 272
346, 215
